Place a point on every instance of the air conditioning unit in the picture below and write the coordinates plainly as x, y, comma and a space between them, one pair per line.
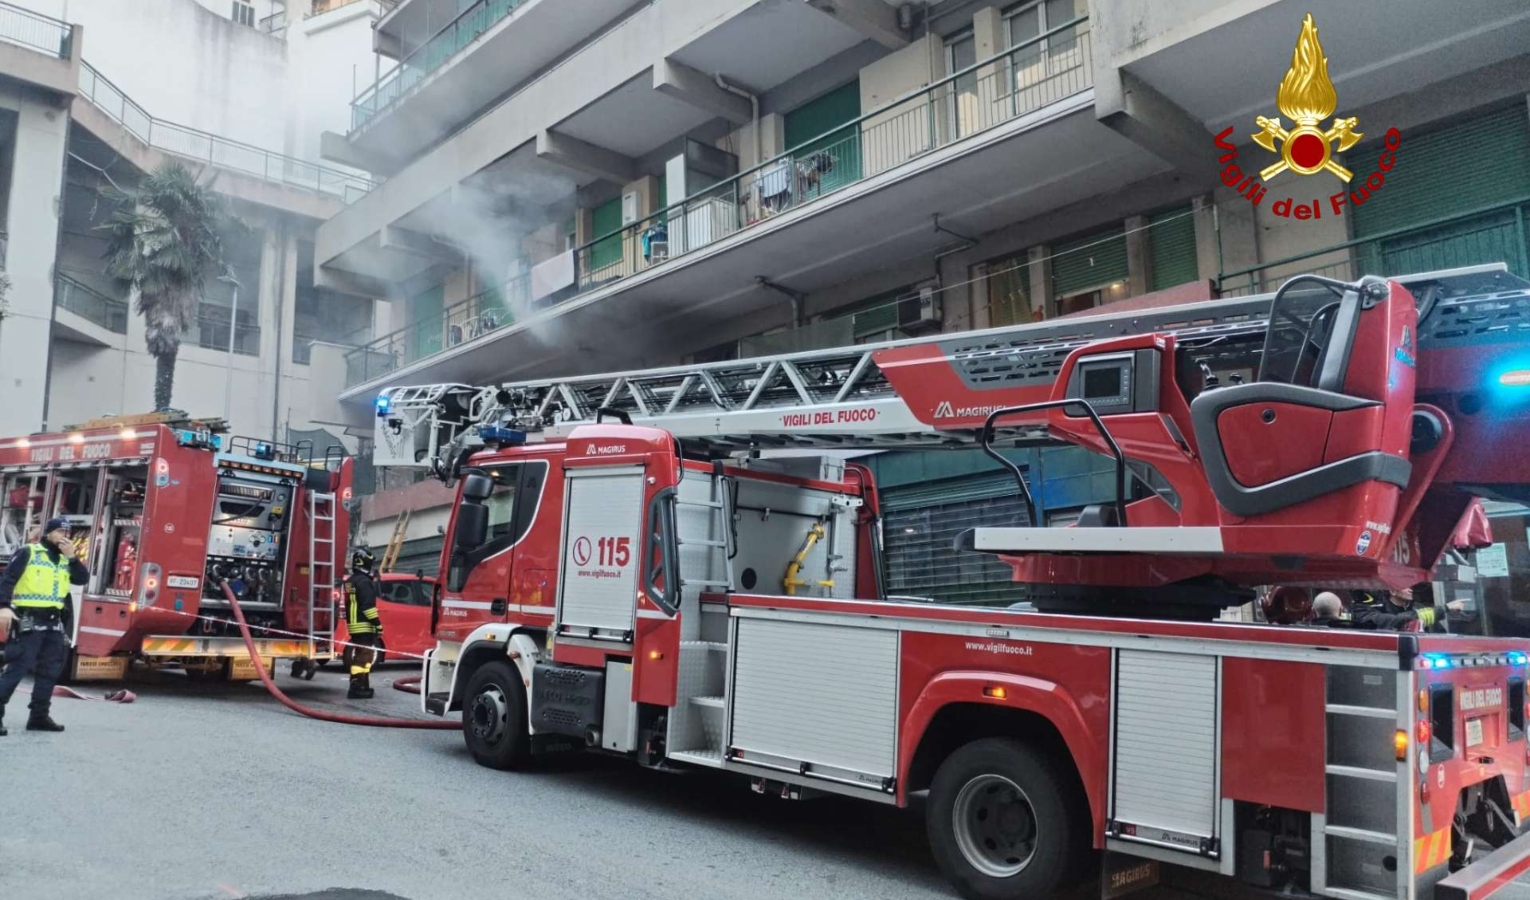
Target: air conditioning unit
919, 310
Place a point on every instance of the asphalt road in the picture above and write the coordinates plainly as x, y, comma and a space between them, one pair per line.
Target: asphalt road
198, 793
214, 793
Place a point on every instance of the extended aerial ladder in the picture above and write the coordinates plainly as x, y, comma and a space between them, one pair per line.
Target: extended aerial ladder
1332, 433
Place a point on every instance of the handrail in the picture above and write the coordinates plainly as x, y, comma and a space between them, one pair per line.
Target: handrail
891, 106
235, 156
489, 12
26, 28
113, 313
1401, 231
445, 318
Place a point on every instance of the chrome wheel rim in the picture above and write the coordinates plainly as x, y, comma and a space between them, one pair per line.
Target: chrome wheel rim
995, 826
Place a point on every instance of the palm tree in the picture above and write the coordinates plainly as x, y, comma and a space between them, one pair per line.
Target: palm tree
164, 242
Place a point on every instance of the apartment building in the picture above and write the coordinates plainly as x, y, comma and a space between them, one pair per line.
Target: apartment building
567, 188
90, 104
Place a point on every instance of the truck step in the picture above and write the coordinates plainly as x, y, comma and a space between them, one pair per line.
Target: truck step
1361, 834
706, 757
712, 702
706, 645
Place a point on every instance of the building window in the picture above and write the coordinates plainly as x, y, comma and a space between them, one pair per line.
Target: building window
1031, 66
243, 14
1009, 292
961, 53
325, 315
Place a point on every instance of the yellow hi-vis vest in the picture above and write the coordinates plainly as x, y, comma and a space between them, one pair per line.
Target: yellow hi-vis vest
44, 584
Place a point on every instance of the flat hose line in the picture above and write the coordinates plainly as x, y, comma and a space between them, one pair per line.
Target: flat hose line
265, 678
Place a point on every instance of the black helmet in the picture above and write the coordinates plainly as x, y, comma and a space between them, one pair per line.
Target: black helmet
362, 560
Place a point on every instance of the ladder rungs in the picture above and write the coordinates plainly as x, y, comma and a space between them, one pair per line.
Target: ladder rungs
704, 504
683, 543
690, 581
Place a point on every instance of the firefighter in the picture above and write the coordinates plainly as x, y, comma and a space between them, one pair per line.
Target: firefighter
36, 608
1328, 611
1397, 612
362, 622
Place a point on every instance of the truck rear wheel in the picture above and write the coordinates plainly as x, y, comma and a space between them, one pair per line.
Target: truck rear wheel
1002, 822
494, 717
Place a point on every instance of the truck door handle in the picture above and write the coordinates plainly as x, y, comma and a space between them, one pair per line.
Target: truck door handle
498, 606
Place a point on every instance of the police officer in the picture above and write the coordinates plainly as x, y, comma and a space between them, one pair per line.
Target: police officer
1397, 612
34, 592
362, 622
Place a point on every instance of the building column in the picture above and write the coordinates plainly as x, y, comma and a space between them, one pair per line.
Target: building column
1139, 256
36, 197
1040, 268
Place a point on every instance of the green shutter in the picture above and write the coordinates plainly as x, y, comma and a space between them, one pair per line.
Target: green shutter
1461, 167
812, 121
920, 524
606, 218
1171, 238
1475, 163
879, 318
425, 310
1089, 262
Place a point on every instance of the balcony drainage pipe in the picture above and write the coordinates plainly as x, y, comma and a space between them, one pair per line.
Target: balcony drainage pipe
754, 110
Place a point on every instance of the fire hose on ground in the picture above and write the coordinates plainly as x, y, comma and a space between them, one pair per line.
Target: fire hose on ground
265, 678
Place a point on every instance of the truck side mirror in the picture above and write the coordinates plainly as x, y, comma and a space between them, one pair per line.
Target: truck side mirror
477, 486
472, 527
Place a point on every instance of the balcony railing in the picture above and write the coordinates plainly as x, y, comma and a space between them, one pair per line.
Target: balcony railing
1030, 76
210, 329
428, 57
90, 304
1486, 235
474, 317
25, 28
208, 148
1026, 78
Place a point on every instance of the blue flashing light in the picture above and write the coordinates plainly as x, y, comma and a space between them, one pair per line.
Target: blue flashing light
1515, 378
384, 405
1436, 661
1517, 658
499, 434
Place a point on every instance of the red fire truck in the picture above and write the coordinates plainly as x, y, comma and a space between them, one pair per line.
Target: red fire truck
625, 572
158, 504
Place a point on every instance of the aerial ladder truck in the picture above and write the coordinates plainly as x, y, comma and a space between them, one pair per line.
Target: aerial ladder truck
628, 570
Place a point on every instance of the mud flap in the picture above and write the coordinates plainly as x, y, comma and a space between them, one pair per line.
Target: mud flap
1486, 877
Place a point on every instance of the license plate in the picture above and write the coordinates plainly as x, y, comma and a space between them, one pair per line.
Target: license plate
1473, 732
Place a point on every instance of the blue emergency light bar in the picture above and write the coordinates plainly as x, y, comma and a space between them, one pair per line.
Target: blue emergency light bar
502, 436
201, 439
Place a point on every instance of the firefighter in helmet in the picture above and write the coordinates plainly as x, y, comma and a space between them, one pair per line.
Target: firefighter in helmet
362, 622
37, 612
1397, 612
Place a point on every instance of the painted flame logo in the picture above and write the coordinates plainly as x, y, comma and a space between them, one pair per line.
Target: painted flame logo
1307, 96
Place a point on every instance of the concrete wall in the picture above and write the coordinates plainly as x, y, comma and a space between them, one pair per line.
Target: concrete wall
187, 62
32, 216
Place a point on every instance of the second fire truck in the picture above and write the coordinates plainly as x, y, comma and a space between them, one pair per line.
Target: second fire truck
623, 572
162, 510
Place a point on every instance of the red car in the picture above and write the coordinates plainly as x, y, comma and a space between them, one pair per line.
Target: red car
403, 603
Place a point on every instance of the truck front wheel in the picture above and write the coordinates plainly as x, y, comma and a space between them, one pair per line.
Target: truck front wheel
494, 717
1001, 823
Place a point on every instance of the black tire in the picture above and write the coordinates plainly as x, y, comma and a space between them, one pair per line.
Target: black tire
494, 717
986, 847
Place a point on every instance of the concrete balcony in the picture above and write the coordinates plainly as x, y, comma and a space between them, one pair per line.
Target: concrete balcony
1007, 140
492, 46
637, 86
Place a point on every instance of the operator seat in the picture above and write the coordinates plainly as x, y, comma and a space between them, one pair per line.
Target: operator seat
1315, 421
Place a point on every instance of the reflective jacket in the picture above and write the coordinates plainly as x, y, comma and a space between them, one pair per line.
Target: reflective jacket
44, 584
361, 605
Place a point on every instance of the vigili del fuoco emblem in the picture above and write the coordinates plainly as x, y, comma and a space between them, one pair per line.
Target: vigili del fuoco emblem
1307, 97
